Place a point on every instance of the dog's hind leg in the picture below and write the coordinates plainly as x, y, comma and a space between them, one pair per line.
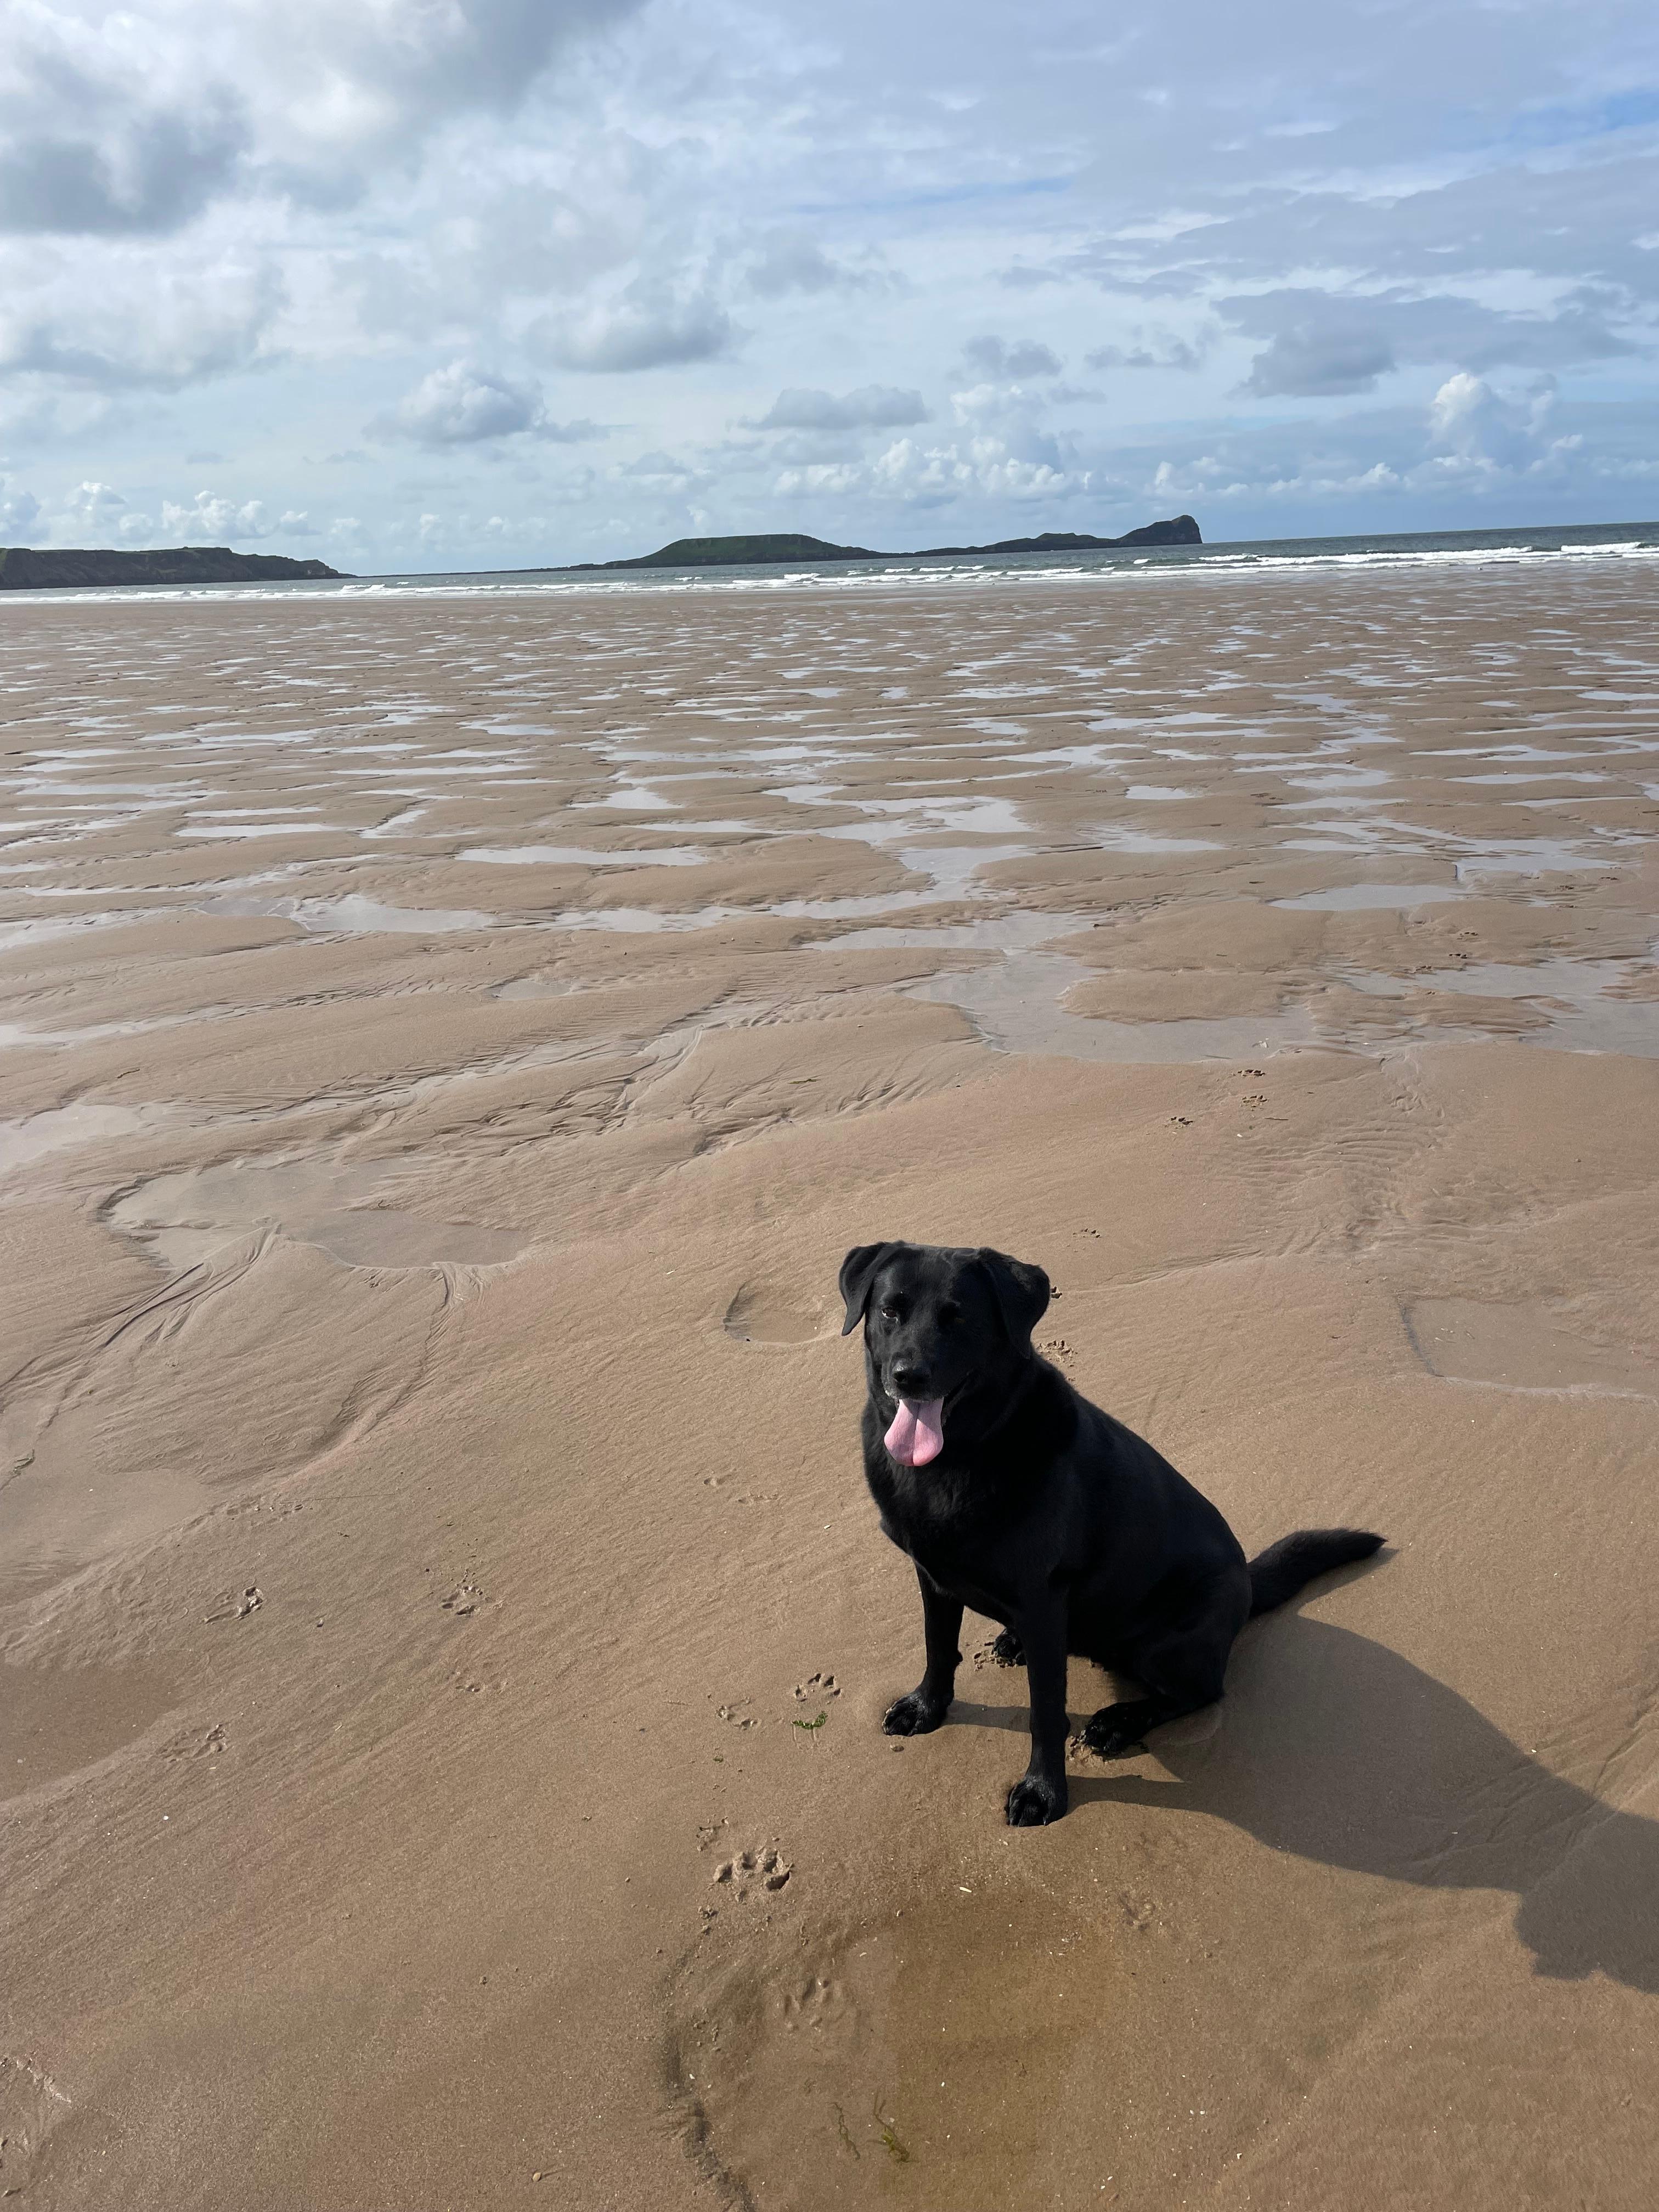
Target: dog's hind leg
1181, 1665
1007, 1649
1117, 1731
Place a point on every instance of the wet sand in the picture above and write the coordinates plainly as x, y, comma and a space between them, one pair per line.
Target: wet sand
446, 1048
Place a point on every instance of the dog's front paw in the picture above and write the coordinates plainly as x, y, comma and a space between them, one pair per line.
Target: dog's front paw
1114, 1732
913, 1715
1033, 1802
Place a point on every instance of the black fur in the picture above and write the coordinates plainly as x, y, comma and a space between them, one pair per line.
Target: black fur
1044, 1513
1279, 1572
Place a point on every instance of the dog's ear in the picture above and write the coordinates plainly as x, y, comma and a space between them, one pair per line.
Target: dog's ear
1022, 1291
858, 1272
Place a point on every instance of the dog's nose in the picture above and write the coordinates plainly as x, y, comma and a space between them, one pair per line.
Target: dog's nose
908, 1379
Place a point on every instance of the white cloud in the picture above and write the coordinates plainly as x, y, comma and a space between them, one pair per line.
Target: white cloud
146, 322
1212, 481
93, 503
1473, 443
647, 326
1012, 362
917, 475
1472, 427
982, 403
210, 519
19, 510
458, 404
657, 472
94, 513
789, 261
1325, 343
1314, 363
138, 120
1158, 349
872, 406
464, 405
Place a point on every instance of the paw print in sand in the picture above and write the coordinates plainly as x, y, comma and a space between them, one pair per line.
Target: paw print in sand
763, 1867
815, 2002
191, 1746
816, 1685
239, 1607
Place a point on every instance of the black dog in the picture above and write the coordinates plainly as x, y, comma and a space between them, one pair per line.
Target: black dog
1016, 1497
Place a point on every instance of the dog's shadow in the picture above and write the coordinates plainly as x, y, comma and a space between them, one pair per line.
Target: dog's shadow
1336, 1748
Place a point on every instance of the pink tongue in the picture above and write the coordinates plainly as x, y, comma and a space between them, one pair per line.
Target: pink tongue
916, 1436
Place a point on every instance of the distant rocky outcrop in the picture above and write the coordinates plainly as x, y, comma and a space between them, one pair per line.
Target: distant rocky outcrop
24, 569
734, 552
788, 545
1180, 530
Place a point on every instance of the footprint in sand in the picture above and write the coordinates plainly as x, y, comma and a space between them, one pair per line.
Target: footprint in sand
816, 1686
238, 1608
764, 1868
740, 1497
31, 2107
470, 1687
465, 1599
735, 1715
191, 1746
760, 1313
815, 2002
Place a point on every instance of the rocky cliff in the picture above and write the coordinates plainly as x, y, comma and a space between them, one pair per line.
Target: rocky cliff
24, 569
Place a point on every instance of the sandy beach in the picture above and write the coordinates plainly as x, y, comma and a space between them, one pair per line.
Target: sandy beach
447, 1044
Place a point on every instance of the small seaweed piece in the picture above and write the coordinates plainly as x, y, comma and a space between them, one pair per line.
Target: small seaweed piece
895, 2149
811, 1728
845, 2132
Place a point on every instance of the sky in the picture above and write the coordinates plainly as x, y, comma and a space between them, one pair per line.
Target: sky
428, 284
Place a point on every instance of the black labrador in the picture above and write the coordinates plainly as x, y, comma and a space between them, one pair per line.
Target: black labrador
1014, 1495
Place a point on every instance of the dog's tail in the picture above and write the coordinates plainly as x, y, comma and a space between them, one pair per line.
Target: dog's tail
1279, 1572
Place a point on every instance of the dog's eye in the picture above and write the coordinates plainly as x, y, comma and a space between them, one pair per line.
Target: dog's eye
890, 1312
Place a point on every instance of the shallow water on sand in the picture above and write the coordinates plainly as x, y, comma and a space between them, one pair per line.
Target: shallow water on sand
830, 798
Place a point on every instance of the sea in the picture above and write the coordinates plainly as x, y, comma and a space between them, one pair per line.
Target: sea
1457, 549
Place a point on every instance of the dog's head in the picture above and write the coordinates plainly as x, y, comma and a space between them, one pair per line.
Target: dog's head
938, 1320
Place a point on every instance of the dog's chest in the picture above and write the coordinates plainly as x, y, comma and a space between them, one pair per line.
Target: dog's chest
945, 1532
